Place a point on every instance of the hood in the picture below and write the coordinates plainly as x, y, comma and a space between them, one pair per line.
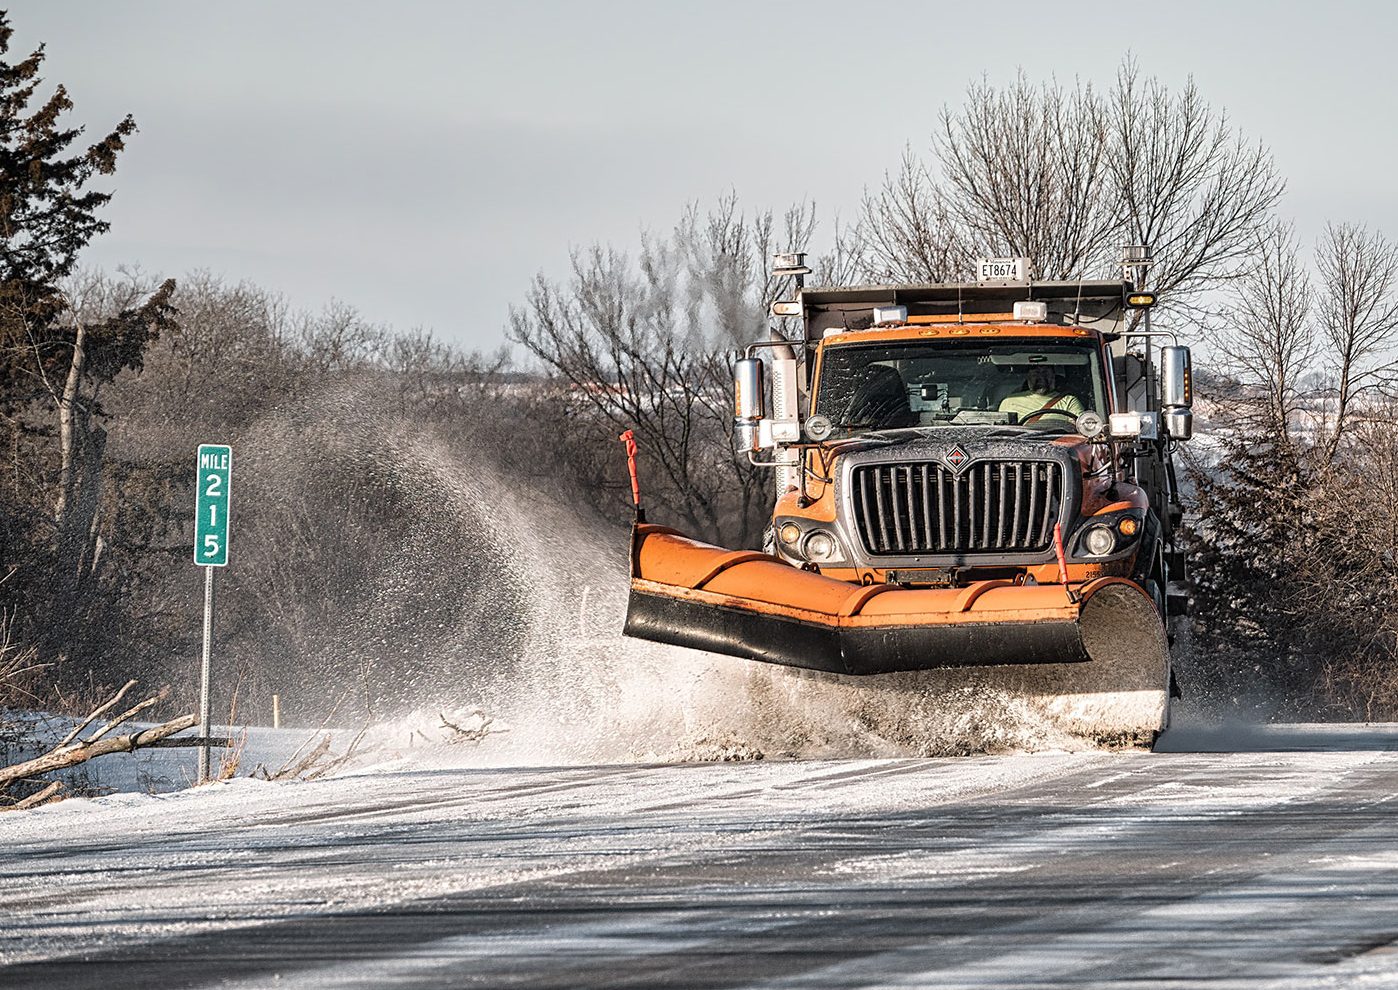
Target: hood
976, 441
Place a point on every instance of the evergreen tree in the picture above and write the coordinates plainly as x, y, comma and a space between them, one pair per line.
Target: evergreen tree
56, 353
1246, 545
48, 213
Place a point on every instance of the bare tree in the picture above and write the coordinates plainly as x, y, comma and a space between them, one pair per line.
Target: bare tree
844, 263
1185, 183
1021, 169
621, 348
1296, 538
339, 339
1065, 176
722, 258
91, 299
644, 345
1357, 309
230, 336
906, 233
103, 327
1025, 169
1267, 334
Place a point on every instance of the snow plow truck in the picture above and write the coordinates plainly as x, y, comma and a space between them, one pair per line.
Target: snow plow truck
971, 478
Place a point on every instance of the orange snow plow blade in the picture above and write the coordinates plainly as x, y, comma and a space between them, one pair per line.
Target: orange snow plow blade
1098, 665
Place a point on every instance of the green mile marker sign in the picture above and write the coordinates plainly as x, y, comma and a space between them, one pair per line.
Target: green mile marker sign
215, 476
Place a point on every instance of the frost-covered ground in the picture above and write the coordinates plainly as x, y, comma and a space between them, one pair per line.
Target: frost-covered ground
1235, 869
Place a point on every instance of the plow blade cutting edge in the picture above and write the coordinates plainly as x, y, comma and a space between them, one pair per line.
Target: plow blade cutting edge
1098, 666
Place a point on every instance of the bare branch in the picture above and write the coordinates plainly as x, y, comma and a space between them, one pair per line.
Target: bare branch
96, 714
130, 713
463, 734
295, 770
331, 765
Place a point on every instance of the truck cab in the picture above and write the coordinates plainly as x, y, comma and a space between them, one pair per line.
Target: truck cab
938, 436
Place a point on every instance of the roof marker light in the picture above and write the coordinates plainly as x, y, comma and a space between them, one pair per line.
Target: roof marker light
890, 315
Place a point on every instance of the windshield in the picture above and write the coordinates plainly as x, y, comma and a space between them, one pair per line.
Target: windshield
1032, 383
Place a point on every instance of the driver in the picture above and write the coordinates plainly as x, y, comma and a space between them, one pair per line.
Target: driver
1041, 392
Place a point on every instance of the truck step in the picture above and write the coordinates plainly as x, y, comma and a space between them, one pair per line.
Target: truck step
1177, 598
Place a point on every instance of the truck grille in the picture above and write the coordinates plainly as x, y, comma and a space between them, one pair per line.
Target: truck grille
989, 507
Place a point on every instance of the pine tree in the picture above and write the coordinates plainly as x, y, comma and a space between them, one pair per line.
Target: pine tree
55, 356
48, 213
1245, 547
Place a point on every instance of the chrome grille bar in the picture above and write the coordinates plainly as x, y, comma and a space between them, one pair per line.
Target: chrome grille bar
998, 506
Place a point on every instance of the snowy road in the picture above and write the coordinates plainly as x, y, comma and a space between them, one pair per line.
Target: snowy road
1244, 869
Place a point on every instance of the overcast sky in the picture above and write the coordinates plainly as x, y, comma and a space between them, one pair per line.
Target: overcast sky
423, 161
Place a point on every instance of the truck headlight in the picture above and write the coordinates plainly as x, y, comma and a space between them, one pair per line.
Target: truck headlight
1099, 541
1110, 534
821, 546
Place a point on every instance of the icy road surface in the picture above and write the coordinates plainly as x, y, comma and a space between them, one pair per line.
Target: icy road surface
1242, 869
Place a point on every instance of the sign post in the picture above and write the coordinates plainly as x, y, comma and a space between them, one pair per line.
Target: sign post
213, 486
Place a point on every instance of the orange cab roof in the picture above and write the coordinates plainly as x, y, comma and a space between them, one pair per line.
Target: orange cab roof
956, 331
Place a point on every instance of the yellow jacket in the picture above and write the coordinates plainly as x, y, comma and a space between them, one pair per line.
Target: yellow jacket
1024, 403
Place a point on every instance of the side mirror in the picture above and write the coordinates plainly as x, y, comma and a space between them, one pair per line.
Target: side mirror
747, 402
1176, 392
1176, 383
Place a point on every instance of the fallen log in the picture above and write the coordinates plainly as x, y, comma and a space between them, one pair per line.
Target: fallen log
35, 799
188, 742
71, 755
